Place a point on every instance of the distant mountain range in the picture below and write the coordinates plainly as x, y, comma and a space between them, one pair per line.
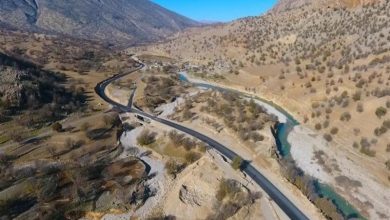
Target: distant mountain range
130, 21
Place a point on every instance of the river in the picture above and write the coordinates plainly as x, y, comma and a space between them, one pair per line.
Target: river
287, 123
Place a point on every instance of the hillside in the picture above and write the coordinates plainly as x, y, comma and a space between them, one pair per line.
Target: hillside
59, 156
24, 86
130, 21
329, 67
285, 5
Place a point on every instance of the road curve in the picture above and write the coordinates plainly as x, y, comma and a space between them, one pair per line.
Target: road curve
283, 202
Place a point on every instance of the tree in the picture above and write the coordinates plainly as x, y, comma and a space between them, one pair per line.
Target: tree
57, 127
237, 163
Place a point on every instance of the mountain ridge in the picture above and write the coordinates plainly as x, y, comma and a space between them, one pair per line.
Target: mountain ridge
285, 5
130, 21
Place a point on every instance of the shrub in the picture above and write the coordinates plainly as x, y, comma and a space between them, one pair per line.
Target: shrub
346, 116
187, 114
78, 144
189, 144
379, 131
176, 138
359, 107
52, 150
173, 168
4, 118
315, 105
386, 124
256, 137
17, 137
318, 126
387, 164
68, 144
357, 96
57, 127
146, 138
334, 130
328, 208
380, 112
85, 126
227, 188
365, 148
326, 124
368, 152
111, 120
237, 163
191, 157
328, 137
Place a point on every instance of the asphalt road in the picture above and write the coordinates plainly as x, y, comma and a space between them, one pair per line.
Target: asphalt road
283, 202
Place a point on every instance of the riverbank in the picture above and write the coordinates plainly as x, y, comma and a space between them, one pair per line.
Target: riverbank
319, 159
270, 109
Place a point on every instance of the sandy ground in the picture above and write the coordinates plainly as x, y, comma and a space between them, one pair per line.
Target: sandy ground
304, 143
361, 188
118, 95
158, 183
203, 186
269, 208
157, 165
169, 108
265, 166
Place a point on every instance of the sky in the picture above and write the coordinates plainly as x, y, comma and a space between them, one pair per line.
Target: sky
217, 10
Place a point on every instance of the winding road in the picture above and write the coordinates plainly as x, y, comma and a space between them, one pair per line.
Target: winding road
279, 198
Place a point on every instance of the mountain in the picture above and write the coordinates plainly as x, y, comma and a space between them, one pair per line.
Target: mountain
134, 21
